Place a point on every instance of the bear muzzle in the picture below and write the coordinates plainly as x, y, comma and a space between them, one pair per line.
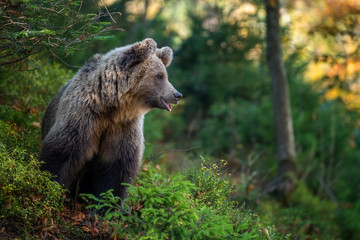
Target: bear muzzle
178, 96
174, 100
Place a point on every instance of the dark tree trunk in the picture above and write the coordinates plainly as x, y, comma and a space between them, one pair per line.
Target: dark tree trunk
285, 183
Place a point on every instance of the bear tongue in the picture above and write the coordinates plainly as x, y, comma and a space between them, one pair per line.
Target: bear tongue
167, 105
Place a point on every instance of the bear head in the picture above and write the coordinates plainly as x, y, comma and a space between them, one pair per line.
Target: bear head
150, 84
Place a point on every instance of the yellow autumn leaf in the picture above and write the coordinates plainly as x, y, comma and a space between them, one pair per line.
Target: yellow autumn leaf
332, 94
316, 71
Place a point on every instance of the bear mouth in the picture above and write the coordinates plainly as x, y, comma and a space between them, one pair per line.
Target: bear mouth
166, 105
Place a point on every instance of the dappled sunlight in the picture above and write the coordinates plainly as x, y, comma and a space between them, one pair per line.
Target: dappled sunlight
330, 31
222, 61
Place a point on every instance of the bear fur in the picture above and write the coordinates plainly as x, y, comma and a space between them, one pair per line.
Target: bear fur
92, 129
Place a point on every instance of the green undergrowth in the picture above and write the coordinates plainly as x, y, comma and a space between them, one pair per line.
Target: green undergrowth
28, 197
30, 202
195, 204
307, 216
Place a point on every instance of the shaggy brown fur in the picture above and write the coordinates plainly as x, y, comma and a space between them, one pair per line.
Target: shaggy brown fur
93, 128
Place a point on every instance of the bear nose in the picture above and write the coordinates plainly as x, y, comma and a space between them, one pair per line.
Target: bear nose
178, 95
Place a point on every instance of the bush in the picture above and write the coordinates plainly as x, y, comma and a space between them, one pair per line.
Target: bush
28, 197
155, 209
307, 217
30, 91
213, 186
161, 207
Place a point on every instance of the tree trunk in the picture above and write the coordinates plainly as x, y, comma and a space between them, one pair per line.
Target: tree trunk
285, 183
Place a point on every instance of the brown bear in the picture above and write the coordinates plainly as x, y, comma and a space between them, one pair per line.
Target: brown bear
93, 128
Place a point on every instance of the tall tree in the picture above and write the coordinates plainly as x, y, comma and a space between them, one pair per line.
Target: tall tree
285, 182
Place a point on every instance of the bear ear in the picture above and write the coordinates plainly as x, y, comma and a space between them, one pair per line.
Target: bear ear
165, 54
144, 49
137, 53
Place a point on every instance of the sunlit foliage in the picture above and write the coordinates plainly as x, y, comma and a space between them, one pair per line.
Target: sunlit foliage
219, 66
329, 32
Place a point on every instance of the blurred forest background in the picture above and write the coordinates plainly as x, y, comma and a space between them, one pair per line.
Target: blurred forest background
220, 67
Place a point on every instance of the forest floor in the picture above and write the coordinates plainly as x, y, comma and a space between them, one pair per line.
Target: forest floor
74, 222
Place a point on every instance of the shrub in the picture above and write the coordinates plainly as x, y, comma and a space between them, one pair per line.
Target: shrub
30, 91
213, 186
29, 200
156, 208
161, 207
213, 190
307, 217
28, 197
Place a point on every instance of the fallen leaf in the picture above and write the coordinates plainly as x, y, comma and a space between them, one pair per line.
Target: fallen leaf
47, 228
250, 187
79, 217
35, 124
85, 229
36, 197
33, 110
16, 107
94, 231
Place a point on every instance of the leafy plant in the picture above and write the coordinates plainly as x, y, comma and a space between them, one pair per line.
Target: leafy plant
213, 187
161, 207
27, 195
30, 91
155, 209
308, 216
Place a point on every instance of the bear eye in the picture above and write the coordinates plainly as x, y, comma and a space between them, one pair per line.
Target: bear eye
160, 77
